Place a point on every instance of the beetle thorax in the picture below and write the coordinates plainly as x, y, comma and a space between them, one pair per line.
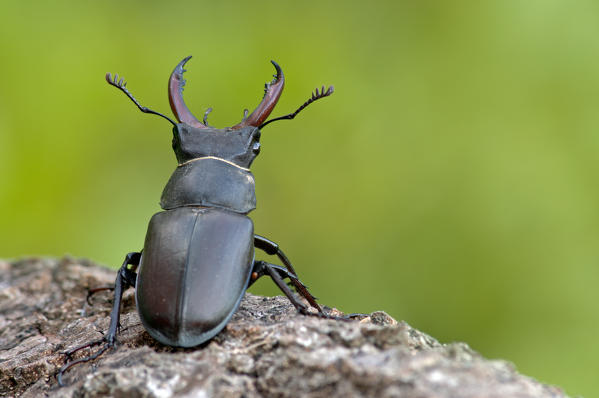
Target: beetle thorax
239, 146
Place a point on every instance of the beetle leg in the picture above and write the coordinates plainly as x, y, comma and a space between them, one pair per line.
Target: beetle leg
277, 273
95, 290
125, 279
259, 271
262, 268
270, 247
129, 275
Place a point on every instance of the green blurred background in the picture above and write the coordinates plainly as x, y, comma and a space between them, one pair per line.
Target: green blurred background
451, 180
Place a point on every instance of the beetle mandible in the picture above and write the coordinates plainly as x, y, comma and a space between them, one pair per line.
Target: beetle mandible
198, 256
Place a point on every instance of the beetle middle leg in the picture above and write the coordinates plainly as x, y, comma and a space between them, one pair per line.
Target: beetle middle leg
127, 273
125, 279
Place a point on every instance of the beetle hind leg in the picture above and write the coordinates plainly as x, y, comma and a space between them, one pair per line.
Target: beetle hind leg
125, 278
277, 274
270, 247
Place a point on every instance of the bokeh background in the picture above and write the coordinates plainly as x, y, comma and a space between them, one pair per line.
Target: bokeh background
451, 180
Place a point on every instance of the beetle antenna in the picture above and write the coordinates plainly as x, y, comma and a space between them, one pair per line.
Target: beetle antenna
315, 96
122, 85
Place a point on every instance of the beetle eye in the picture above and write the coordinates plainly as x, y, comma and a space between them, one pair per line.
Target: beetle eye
256, 148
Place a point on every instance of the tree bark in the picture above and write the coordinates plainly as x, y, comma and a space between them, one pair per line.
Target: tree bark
267, 349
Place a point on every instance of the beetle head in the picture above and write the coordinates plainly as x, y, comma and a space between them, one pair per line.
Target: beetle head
239, 144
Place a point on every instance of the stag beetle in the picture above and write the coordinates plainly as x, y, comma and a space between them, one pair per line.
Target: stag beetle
198, 256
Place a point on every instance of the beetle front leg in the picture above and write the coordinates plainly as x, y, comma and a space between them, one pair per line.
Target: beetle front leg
125, 279
270, 247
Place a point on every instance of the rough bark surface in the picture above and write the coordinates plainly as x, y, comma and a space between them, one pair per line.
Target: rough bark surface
266, 350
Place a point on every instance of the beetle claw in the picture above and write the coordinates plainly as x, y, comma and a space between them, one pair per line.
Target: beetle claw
108, 342
175, 96
272, 92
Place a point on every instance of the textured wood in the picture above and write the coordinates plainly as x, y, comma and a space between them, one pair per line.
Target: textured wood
266, 350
